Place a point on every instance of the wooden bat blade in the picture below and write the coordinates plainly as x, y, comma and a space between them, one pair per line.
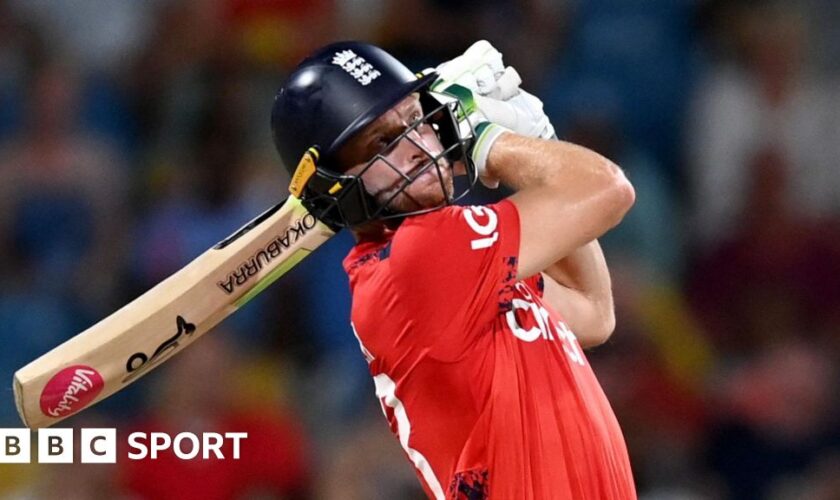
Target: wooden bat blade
127, 344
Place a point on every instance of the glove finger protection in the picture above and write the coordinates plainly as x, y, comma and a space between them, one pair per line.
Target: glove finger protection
492, 101
507, 85
522, 113
477, 69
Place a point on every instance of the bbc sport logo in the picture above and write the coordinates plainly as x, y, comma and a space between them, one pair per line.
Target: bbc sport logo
99, 446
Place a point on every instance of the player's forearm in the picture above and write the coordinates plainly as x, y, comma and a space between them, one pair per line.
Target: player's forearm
522, 162
567, 196
583, 277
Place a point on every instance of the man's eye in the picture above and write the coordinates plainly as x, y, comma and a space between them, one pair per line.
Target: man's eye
381, 142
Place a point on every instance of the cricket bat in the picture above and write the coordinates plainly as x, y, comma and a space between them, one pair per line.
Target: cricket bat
127, 344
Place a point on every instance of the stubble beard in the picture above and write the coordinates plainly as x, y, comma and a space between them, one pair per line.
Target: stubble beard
424, 192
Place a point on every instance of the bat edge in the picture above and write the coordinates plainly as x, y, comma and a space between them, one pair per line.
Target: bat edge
17, 388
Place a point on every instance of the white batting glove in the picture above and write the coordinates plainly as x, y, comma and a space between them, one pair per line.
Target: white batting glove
481, 70
523, 113
477, 69
489, 92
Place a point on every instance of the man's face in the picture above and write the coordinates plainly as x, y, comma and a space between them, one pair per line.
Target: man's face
408, 161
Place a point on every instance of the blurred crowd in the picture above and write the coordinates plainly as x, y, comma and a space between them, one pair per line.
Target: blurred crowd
134, 135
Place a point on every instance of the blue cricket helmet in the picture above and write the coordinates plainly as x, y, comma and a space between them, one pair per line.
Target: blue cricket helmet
331, 96
335, 93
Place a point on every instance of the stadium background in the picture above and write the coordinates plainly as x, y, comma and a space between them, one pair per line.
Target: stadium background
134, 135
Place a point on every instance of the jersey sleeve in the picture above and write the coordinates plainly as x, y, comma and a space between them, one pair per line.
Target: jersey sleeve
456, 268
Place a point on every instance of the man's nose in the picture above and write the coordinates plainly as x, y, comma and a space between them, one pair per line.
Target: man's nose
424, 142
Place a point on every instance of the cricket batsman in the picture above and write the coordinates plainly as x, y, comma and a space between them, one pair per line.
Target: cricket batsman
472, 319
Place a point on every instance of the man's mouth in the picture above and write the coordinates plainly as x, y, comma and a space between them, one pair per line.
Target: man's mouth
421, 175
429, 173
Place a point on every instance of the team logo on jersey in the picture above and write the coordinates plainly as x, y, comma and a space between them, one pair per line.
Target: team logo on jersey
356, 66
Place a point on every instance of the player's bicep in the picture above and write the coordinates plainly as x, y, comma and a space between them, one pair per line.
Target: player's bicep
555, 221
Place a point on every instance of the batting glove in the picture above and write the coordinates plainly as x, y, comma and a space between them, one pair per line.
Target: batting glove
491, 101
493, 91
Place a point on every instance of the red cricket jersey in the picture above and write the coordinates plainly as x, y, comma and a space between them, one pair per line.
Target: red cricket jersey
486, 388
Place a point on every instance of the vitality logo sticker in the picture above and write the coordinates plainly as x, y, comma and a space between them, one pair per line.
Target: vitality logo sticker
70, 390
